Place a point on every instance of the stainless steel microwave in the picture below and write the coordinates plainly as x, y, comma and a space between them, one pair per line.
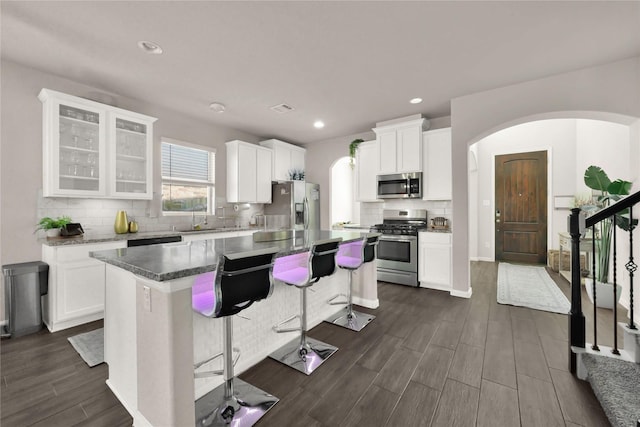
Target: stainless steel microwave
400, 186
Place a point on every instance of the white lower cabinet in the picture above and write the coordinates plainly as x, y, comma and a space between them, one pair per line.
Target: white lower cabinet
434, 260
76, 284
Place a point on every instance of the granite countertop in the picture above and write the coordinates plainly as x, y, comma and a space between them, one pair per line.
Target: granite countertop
176, 260
436, 230
90, 237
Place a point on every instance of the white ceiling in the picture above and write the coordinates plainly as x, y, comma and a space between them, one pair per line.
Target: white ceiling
350, 64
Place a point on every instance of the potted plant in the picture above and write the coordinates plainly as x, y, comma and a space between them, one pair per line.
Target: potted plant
608, 191
52, 226
353, 147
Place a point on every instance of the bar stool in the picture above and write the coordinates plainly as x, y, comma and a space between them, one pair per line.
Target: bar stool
306, 354
240, 280
351, 257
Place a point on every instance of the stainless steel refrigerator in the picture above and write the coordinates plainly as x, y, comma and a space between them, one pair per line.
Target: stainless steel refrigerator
297, 200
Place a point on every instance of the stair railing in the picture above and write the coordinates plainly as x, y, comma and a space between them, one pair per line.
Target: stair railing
577, 226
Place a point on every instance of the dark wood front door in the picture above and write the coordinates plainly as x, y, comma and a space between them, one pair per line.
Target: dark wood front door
521, 207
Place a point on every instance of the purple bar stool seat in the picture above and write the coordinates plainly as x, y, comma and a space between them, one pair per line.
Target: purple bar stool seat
239, 281
306, 354
351, 257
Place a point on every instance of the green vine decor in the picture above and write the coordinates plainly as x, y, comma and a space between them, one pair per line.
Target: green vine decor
353, 147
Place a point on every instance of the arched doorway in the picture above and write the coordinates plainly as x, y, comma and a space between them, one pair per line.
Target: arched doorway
572, 145
343, 208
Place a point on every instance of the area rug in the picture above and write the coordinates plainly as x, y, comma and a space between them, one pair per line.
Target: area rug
90, 346
530, 286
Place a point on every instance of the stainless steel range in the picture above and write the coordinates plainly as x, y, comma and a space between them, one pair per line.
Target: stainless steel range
398, 246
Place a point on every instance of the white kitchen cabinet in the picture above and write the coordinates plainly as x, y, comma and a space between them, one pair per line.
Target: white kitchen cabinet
248, 173
131, 157
437, 165
76, 284
434, 260
366, 171
400, 147
95, 150
286, 157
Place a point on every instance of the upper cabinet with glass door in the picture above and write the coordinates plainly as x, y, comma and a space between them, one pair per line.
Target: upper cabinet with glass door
94, 150
131, 157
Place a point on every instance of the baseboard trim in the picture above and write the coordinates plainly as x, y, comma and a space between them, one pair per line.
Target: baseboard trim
368, 303
138, 419
461, 294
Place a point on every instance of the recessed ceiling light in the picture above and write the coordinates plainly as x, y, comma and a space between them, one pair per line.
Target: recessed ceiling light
415, 100
217, 107
318, 124
150, 47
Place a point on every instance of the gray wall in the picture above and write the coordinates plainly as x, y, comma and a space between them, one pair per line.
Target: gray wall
606, 92
21, 161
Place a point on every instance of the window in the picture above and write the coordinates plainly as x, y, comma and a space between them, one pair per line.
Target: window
188, 178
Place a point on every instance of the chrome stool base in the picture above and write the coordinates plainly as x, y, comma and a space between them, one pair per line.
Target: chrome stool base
247, 406
315, 353
356, 321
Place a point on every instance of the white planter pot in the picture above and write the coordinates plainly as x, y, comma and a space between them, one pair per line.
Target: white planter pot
604, 293
52, 232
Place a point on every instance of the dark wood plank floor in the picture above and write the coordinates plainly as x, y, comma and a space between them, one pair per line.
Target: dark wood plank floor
428, 359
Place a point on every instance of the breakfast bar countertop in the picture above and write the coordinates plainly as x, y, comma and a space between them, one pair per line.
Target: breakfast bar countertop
176, 260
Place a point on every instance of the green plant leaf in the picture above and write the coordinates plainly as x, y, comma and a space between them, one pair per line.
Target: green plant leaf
596, 178
48, 223
352, 150
619, 187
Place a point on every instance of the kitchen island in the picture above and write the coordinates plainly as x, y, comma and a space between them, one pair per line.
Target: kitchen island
153, 338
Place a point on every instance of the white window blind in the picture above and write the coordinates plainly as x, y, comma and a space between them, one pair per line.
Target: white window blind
188, 176
186, 163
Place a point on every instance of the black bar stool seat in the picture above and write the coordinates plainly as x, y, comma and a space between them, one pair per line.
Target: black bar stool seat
240, 280
351, 257
306, 354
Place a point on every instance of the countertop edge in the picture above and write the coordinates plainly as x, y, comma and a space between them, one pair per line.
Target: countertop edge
114, 257
88, 238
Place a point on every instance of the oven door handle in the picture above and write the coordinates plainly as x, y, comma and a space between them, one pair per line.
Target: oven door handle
397, 240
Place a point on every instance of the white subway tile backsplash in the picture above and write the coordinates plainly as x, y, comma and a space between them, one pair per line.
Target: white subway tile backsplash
372, 213
86, 203
54, 203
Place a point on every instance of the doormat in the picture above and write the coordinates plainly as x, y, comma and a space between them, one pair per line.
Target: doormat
530, 286
90, 346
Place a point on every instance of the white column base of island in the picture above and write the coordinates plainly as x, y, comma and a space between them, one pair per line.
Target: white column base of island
153, 338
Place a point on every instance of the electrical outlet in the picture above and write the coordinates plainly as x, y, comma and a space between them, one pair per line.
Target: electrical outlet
487, 245
147, 298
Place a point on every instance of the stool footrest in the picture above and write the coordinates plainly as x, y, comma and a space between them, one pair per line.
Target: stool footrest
208, 374
205, 374
332, 300
279, 329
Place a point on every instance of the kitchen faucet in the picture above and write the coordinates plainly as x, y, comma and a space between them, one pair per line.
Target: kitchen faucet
195, 226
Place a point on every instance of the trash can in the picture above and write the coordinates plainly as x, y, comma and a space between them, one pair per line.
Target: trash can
24, 284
